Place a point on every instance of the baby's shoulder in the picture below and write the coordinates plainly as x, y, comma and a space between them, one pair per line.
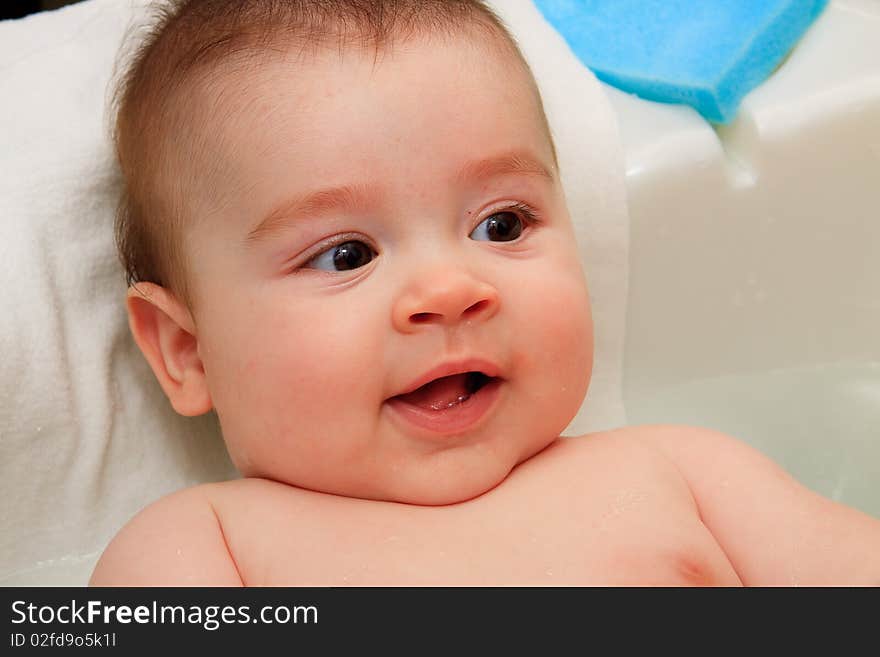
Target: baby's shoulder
657, 457
214, 534
693, 451
631, 446
652, 445
589, 468
176, 540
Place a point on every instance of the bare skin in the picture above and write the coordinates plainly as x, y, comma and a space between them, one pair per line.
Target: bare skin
627, 507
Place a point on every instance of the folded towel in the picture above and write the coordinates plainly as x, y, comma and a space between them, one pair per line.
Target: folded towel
86, 435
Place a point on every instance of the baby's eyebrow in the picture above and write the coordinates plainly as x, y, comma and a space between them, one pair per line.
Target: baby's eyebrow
515, 162
345, 197
352, 197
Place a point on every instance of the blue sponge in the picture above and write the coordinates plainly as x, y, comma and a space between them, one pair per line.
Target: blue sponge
703, 53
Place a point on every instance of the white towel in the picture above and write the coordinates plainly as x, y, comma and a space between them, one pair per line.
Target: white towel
86, 436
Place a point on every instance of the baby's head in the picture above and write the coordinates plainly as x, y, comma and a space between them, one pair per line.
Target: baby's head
345, 231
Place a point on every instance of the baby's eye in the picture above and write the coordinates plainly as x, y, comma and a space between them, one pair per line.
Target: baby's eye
499, 227
342, 257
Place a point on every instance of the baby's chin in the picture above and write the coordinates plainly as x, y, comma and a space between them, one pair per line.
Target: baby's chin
446, 491
450, 480
436, 489
444, 482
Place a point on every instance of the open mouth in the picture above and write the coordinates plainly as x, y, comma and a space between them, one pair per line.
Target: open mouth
447, 392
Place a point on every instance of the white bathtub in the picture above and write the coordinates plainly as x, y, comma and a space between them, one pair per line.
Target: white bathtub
754, 301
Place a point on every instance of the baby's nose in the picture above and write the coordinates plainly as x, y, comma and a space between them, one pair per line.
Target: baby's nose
445, 297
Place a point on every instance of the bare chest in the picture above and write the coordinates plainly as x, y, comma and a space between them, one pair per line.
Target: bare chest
599, 530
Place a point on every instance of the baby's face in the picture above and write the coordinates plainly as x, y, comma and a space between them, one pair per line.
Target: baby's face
385, 224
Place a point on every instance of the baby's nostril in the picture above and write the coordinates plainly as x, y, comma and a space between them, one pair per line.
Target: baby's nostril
421, 318
473, 309
476, 308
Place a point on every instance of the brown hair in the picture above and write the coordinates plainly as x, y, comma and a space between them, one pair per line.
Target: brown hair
191, 37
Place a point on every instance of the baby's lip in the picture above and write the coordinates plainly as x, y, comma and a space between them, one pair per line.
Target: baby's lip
450, 368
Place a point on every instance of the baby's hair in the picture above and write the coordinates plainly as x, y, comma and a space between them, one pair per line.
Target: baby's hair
196, 41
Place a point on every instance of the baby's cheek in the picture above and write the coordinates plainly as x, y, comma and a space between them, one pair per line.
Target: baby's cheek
305, 387
321, 362
562, 332
294, 366
558, 298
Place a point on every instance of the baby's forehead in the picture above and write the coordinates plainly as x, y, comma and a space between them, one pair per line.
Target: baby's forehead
283, 86
234, 72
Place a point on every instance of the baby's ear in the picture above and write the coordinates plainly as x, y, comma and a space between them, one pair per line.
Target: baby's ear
164, 330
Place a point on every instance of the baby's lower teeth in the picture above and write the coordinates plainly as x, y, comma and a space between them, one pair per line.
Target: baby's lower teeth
443, 407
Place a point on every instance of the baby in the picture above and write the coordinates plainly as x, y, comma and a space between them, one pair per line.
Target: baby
344, 230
